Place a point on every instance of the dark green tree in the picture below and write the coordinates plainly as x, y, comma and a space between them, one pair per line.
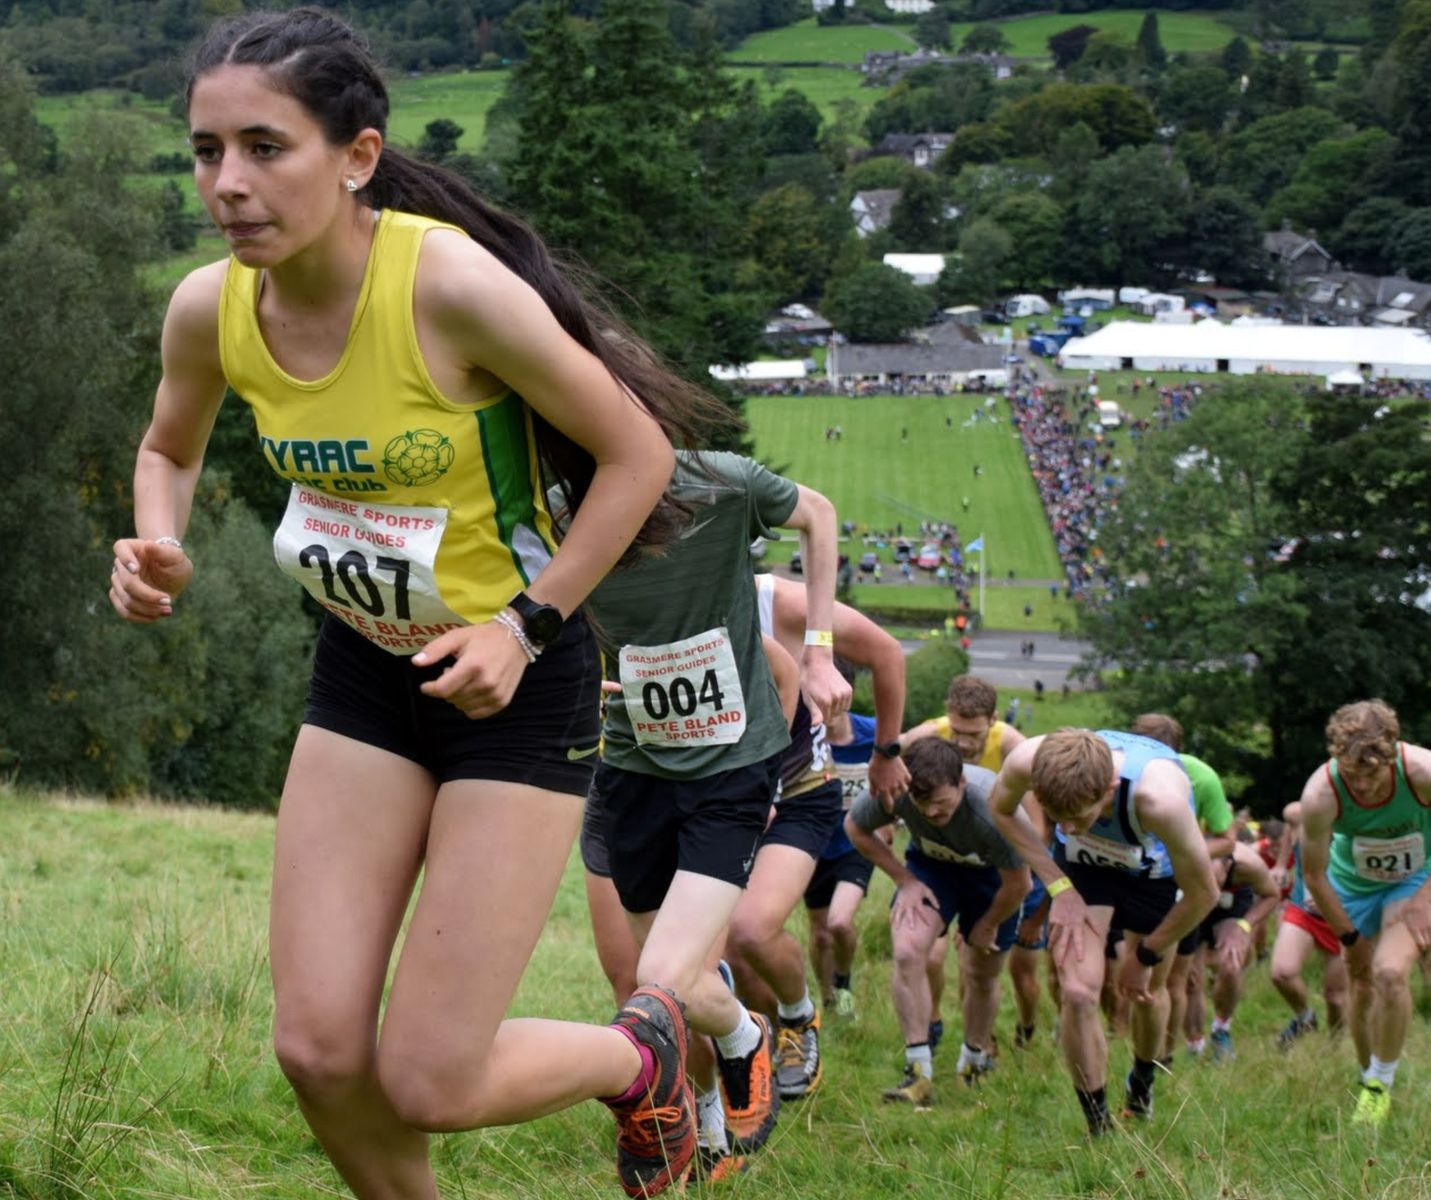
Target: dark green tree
978, 273
791, 124
1236, 59
931, 29
1197, 98
1067, 46
439, 140
789, 240
1224, 237
1408, 248
1034, 224
1211, 628
984, 39
1364, 237
918, 221
1411, 65
1326, 63
1263, 157
1128, 217
1149, 47
642, 169
876, 303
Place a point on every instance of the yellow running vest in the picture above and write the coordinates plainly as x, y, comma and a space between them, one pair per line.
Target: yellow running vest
993, 757
408, 515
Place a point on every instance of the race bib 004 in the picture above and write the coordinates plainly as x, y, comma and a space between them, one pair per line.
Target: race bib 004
684, 693
370, 565
1089, 850
1388, 860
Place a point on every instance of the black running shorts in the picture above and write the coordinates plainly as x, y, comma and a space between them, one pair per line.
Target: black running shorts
1139, 904
546, 737
850, 867
809, 820
654, 827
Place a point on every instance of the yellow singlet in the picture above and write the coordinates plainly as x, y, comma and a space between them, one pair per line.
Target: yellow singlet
993, 757
408, 514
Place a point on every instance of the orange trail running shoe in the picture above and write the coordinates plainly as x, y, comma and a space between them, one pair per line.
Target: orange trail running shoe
747, 1086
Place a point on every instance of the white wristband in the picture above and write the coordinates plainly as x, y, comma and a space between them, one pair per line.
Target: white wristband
519, 635
820, 637
166, 540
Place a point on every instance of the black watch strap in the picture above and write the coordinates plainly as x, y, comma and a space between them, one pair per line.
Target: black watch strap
542, 622
888, 749
1147, 955
1350, 938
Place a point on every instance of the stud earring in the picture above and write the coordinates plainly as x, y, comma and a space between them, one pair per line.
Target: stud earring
352, 185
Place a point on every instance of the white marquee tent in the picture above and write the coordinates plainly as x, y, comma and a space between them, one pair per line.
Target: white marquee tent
1249, 349
764, 371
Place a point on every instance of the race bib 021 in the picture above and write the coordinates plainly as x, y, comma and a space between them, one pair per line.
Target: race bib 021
684, 693
1090, 850
370, 565
1388, 860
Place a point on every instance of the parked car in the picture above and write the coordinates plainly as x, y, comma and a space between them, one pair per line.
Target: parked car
797, 565
868, 562
930, 556
903, 551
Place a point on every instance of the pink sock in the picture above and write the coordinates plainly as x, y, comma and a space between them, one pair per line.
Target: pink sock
644, 1076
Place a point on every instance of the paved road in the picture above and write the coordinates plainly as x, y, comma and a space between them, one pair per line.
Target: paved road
995, 656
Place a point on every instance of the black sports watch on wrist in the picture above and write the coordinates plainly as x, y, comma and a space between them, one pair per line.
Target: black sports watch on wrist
888, 749
1349, 938
542, 622
1147, 955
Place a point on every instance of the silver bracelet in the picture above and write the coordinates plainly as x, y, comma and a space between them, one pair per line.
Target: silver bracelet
519, 634
166, 540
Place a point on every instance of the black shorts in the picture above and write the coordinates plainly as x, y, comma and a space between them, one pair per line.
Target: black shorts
808, 821
593, 835
546, 737
850, 867
1139, 904
1240, 902
655, 827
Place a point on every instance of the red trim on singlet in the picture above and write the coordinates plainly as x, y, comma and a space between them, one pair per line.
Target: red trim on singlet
1390, 796
1406, 774
1314, 925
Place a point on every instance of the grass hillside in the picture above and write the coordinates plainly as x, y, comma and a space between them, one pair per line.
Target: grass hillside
134, 1061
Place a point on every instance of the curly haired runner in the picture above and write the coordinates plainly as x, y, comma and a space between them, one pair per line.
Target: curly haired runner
419, 371
1366, 817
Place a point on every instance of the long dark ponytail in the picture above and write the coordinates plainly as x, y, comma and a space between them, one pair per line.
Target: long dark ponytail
321, 62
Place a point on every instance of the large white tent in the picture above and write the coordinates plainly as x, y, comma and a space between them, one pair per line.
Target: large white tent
1248, 349
764, 371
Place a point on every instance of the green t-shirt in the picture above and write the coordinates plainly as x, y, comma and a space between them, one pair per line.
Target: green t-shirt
1214, 813
682, 632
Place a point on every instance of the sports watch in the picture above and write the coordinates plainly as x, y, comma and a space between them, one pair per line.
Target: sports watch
543, 622
887, 749
1349, 938
1147, 956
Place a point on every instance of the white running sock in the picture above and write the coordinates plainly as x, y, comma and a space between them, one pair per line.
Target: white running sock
802, 1010
921, 1054
741, 1040
710, 1115
1385, 1072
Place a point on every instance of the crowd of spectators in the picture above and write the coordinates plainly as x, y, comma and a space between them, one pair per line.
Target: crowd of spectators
1075, 463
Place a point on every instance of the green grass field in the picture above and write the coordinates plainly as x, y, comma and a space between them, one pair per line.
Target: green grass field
152, 921
824, 87
465, 97
879, 478
806, 41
